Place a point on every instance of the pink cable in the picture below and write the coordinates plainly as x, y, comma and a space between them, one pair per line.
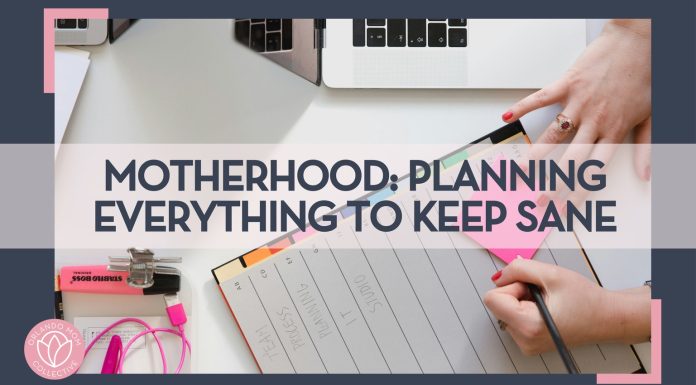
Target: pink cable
122, 321
185, 344
148, 330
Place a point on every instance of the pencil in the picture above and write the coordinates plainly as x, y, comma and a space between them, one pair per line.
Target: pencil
58, 299
553, 329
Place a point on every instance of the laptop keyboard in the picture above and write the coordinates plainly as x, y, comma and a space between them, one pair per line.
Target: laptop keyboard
71, 23
264, 35
409, 33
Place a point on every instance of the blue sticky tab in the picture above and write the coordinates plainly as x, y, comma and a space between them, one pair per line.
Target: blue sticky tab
348, 212
380, 196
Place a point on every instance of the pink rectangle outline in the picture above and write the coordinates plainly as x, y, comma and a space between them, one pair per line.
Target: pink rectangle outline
655, 375
50, 15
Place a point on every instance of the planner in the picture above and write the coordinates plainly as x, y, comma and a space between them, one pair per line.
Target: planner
367, 301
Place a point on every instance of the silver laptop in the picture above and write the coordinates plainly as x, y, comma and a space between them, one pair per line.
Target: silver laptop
80, 31
418, 53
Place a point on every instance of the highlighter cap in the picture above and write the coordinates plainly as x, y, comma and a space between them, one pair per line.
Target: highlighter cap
164, 284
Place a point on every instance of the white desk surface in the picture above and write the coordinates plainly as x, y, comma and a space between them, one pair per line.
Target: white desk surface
187, 81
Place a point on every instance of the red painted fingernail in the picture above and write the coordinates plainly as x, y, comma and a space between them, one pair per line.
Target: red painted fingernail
496, 275
507, 116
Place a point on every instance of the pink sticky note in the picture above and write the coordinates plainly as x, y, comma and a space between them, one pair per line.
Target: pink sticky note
506, 240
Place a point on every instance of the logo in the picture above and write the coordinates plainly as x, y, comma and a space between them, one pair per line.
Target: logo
54, 349
95, 278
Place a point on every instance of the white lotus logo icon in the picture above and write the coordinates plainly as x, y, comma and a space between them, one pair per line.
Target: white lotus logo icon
54, 348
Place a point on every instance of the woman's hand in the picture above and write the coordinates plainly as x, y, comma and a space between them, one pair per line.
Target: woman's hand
606, 94
583, 311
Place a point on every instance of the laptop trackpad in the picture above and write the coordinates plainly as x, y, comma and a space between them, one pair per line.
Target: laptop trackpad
410, 68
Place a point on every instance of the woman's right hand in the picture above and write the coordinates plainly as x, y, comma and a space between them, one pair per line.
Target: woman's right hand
606, 94
583, 311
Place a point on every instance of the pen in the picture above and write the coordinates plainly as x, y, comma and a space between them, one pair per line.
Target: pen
58, 299
553, 329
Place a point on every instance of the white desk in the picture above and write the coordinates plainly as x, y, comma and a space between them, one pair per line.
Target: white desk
186, 81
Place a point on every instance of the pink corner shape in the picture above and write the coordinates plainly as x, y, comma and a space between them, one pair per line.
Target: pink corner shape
50, 15
655, 375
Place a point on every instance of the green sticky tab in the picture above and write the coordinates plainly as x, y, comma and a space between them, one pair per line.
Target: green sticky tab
454, 159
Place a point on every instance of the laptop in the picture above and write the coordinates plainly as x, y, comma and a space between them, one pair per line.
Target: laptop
418, 53
89, 31
80, 31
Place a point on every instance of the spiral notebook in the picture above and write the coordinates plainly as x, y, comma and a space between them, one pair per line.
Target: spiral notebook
397, 302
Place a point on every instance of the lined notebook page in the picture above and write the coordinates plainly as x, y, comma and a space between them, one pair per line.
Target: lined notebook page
398, 302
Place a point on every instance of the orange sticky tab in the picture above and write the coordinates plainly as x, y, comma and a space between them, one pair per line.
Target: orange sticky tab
256, 256
280, 245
